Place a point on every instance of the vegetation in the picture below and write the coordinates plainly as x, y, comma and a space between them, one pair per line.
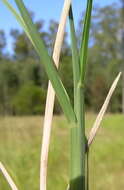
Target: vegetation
74, 109
20, 144
23, 67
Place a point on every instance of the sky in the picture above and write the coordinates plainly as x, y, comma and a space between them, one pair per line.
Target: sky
46, 10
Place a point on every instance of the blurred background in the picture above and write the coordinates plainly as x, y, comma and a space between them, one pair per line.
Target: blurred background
23, 82
23, 87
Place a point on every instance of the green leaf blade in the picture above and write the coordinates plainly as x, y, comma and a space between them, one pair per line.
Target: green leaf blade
75, 56
49, 66
85, 39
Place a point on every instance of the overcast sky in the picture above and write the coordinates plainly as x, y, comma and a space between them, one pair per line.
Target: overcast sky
46, 10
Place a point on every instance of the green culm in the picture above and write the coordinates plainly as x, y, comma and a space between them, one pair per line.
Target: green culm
75, 114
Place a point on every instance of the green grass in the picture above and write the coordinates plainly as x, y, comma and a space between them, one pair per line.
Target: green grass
20, 139
75, 115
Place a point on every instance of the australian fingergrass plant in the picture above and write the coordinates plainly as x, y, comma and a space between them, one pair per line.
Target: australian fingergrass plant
75, 114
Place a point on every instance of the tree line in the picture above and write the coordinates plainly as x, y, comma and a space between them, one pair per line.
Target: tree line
23, 82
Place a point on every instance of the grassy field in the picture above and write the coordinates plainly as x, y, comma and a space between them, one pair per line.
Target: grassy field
20, 139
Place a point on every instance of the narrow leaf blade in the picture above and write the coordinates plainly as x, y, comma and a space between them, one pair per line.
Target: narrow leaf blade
75, 56
85, 39
46, 61
8, 177
100, 116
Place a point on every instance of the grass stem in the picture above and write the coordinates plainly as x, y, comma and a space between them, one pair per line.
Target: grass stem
50, 99
77, 156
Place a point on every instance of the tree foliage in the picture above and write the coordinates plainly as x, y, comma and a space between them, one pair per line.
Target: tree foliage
23, 82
